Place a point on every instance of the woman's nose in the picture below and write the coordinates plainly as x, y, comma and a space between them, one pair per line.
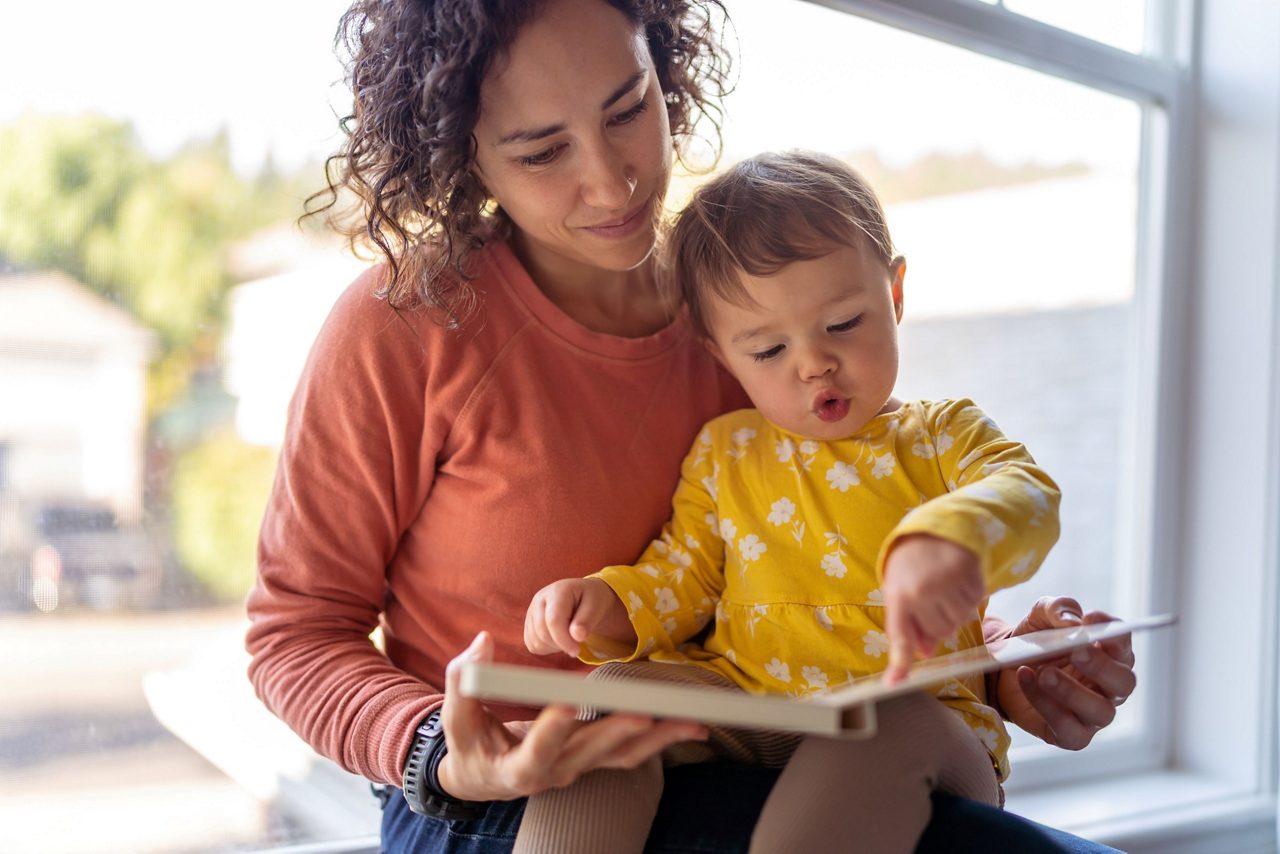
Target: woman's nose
607, 183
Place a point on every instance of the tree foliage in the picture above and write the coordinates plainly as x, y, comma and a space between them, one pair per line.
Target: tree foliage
81, 194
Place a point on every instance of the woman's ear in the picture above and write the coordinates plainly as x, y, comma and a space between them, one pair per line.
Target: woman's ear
898, 274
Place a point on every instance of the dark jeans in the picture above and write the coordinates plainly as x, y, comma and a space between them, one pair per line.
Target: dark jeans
711, 808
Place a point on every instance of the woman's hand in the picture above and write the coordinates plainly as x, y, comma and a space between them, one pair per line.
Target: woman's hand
1065, 702
490, 761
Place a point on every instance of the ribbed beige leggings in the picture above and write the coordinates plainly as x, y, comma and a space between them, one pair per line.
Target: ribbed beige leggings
846, 795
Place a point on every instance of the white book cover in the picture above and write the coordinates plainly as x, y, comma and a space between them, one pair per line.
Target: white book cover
846, 711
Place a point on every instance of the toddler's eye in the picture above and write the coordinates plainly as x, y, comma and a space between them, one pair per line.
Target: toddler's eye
766, 355
846, 326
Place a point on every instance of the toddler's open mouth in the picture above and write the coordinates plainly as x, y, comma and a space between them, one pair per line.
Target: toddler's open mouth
831, 408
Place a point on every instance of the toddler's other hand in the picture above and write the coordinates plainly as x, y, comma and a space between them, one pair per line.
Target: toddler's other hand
564, 613
931, 587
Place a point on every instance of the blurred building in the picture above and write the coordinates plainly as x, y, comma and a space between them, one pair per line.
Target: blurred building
72, 394
290, 281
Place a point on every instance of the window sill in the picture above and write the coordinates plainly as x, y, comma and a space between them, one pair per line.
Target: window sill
1170, 812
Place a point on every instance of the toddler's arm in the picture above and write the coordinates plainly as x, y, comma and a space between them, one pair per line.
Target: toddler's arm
991, 529
564, 613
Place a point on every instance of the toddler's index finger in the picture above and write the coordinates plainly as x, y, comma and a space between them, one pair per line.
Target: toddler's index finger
901, 643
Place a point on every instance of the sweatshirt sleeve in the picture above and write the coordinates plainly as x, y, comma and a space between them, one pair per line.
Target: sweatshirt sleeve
357, 462
999, 503
671, 592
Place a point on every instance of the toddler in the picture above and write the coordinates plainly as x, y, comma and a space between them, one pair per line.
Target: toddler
831, 532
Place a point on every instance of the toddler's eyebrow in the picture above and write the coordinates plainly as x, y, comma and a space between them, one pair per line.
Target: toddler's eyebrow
749, 333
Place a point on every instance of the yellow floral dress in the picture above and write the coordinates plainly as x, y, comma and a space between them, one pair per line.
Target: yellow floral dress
781, 541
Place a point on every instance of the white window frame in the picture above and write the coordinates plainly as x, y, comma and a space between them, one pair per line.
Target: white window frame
1200, 775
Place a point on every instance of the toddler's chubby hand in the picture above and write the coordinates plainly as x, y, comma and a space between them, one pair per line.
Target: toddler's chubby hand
931, 587
564, 613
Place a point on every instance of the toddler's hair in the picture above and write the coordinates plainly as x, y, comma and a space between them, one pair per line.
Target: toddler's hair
763, 214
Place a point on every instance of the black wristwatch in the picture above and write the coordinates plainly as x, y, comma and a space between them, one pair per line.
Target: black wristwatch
422, 790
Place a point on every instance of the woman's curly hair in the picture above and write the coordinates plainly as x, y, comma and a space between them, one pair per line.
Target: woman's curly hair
415, 68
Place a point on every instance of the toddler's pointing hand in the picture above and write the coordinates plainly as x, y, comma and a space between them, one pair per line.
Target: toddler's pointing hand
931, 587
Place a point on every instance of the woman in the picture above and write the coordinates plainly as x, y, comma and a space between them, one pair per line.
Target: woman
514, 412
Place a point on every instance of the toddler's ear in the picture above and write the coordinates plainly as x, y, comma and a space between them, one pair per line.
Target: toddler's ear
714, 350
898, 274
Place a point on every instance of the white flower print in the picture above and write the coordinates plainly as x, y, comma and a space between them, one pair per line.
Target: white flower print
721, 614
943, 443
680, 558
797, 531
1037, 496
834, 566
757, 612
741, 442
670, 625
993, 530
823, 618
991, 468
952, 643
884, 466
1023, 564
731, 655
785, 448
841, 476
710, 482
876, 597
779, 670
875, 644
987, 736
713, 523
660, 547
983, 491
751, 548
634, 602
808, 447
728, 530
665, 600
692, 542
836, 540
815, 677
781, 511
968, 459
923, 450
649, 570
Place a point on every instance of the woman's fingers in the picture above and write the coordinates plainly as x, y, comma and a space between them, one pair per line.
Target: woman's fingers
1073, 713
1112, 679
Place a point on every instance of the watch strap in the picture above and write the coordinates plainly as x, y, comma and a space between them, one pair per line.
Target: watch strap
422, 790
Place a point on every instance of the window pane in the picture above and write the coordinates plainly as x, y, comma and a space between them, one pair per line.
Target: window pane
1119, 23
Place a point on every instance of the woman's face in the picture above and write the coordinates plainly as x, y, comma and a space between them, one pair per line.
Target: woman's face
573, 139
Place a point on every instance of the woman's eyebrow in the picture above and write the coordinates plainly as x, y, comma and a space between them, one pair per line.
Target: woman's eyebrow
535, 134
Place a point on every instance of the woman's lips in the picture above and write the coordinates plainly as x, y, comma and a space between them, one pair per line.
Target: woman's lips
830, 407
628, 225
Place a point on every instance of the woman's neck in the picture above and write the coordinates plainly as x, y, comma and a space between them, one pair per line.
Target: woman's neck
625, 303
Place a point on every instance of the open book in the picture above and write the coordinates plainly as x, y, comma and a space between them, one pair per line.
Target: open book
845, 711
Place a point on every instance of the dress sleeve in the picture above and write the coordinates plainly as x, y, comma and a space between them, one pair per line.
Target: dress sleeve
999, 503
671, 592
357, 462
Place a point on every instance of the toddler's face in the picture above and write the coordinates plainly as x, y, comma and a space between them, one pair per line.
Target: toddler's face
818, 351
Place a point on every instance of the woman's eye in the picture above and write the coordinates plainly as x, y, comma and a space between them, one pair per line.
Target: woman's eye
542, 158
766, 355
631, 114
846, 326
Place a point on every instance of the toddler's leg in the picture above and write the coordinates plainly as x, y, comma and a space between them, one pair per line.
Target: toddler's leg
872, 795
608, 809
604, 810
